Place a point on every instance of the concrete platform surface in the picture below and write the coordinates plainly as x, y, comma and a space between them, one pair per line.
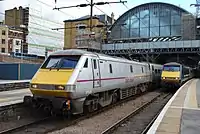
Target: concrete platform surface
13, 97
13, 81
181, 115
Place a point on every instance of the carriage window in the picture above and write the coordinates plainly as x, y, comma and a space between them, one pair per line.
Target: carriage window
131, 68
142, 70
153, 68
95, 64
156, 71
149, 67
86, 63
110, 67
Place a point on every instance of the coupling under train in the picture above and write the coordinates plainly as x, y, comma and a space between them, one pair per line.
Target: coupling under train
79, 81
175, 74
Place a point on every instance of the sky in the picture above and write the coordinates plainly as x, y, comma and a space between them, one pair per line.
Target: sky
44, 8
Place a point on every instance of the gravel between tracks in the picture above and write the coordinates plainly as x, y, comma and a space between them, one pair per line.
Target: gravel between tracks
100, 122
18, 116
137, 123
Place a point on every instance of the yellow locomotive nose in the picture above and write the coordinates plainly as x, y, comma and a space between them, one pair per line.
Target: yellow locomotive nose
166, 75
50, 82
46, 76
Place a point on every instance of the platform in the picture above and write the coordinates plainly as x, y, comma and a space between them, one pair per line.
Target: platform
13, 97
6, 85
13, 81
181, 115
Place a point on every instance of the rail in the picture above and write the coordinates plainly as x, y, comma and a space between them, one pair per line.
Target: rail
152, 121
135, 112
24, 126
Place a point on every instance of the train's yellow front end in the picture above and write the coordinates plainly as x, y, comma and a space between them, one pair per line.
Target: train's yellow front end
52, 82
171, 75
49, 85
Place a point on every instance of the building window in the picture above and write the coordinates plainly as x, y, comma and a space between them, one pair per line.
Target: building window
17, 42
3, 41
3, 32
3, 50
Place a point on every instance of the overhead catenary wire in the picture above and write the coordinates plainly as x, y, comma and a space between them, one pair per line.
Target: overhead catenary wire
58, 10
97, 8
29, 22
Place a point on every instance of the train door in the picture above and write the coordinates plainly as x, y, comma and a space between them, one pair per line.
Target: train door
96, 73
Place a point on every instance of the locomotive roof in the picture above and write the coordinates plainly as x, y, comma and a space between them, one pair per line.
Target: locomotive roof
172, 63
175, 63
71, 52
83, 52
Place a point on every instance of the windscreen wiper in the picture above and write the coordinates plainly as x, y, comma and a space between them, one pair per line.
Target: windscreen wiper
54, 65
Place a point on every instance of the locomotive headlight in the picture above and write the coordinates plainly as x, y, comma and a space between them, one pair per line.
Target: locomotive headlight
60, 87
34, 86
177, 78
163, 77
70, 88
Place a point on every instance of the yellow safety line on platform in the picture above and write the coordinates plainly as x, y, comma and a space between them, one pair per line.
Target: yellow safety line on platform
191, 100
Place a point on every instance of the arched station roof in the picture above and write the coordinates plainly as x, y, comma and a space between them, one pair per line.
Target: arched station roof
155, 19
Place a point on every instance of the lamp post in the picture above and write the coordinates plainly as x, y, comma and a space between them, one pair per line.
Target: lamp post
23, 42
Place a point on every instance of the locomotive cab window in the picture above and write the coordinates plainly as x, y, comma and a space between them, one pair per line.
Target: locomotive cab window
171, 68
86, 63
142, 70
61, 62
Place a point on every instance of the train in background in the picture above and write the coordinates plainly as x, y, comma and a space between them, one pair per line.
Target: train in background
80, 81
175, 74
156, 71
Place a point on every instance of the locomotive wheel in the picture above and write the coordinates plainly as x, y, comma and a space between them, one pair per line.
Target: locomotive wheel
90, 108
27, 100
114, 97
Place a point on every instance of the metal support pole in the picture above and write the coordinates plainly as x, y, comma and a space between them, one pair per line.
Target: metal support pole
91, 13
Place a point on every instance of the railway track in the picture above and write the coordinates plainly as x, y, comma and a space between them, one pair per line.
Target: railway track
9, 110
47, 124
98, 123
12, 130
18, 116
115, 128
